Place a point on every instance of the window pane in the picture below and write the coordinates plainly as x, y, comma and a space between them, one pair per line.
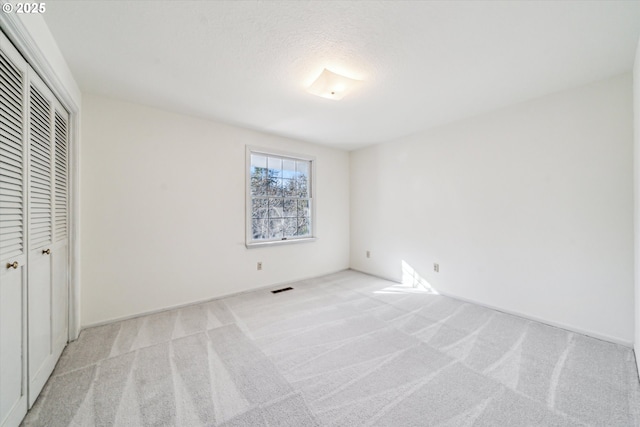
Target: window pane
258, 185
275, 167
260, 228
304, 227
290, 227
274, 187
258, 161
288, 168
302, 168
276, 207
302, 178
289, 188
258, 175
290, 208
259, 208
276, 229
303, 208
302, 187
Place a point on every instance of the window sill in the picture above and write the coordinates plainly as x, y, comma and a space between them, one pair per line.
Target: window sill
254, 245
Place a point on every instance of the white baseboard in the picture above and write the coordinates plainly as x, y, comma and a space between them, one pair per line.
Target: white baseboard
375, 275
560, 325
177, 306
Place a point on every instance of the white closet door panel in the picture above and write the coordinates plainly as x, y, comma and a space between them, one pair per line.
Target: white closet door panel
42, 357
60, 251
59, 298
13, 403
41, 360
13, 231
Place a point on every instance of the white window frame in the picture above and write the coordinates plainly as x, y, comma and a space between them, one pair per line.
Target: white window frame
249, 242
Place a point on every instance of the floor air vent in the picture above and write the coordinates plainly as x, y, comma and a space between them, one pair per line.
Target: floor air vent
282, 290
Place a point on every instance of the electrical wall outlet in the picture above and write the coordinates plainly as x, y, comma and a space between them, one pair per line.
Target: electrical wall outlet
259, 265
436, 267
368, 254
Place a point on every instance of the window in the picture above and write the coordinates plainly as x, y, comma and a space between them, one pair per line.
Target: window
279, 197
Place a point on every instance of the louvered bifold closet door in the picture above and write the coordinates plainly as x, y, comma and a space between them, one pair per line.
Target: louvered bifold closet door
40, 314
12, 242
41, 204
60, 246
61, 222
13, 231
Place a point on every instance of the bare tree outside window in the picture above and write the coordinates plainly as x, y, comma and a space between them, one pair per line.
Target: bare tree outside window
281, 198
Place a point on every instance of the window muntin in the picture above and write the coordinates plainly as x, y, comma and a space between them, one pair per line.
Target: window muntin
280, 199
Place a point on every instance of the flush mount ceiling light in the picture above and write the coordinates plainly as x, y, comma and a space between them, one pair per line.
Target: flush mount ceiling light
332, 86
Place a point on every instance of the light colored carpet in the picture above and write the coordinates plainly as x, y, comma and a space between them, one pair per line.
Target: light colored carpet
341, 350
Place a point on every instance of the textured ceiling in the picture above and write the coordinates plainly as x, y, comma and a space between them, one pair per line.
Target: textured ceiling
423, 63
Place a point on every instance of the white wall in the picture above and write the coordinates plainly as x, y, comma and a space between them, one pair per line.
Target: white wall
527, 209
162, 207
